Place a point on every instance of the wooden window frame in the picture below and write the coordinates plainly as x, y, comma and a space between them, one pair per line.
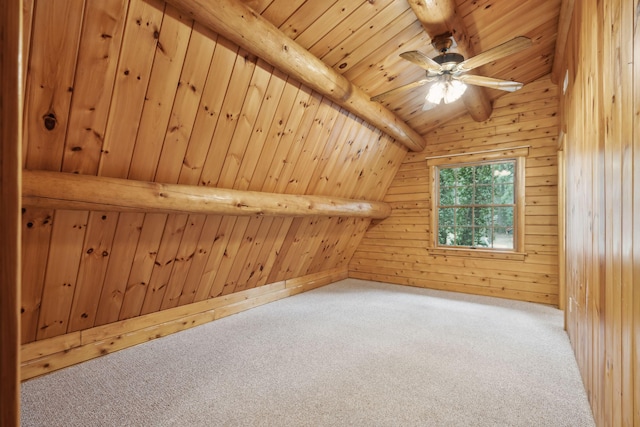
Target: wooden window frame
519, 154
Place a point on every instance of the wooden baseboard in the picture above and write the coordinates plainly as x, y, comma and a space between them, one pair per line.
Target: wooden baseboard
41, 357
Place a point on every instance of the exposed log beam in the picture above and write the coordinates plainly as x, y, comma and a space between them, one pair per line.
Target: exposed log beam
564, 22
57, 190
439, 17
240, 24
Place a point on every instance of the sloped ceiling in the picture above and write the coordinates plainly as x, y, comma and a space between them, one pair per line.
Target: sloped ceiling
135, 89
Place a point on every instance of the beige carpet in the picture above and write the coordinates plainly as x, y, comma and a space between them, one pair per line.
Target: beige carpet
352, 353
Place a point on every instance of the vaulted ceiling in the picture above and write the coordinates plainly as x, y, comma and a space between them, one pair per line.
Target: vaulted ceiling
142, 90
362, 40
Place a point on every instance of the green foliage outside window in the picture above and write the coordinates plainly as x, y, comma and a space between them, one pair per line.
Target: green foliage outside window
476, 205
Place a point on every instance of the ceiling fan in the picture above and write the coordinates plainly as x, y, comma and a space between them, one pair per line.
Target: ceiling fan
447, 71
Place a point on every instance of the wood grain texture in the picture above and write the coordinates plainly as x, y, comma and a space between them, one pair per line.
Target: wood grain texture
600, 121
71, 191
46, 356
413, 261
11, 97
243, 26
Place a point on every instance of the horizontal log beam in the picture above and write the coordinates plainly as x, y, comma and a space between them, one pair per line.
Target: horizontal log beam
243, 26
57, 190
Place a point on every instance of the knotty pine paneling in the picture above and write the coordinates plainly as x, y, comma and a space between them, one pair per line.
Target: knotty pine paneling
396, 249
135, 89
602, 145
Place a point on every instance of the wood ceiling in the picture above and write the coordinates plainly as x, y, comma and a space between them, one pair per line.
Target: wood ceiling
362, 40
138, 90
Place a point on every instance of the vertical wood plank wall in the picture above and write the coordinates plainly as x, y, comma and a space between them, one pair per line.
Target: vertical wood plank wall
396, 249
601, 118
10, 169
133, 89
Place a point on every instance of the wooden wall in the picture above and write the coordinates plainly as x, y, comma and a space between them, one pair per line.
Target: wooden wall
601, 112
397, 249
10, 142
134, 89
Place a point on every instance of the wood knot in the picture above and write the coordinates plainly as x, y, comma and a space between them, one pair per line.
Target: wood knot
50, 121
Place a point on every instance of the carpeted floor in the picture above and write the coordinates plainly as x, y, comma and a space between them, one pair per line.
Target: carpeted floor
352, 353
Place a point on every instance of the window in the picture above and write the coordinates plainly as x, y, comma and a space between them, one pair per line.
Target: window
476, 205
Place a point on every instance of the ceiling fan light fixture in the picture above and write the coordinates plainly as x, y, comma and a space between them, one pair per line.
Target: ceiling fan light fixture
447, 90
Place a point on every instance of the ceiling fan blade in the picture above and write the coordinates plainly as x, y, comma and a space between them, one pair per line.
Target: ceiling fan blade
401, 89
421, 60
507, 85
500, 51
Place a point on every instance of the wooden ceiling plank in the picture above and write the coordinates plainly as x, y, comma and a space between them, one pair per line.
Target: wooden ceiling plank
125, 241
216, 253
315, 142
277, 233
333, 146
564, 22
255, 103
326, 22
96, 251
313, 114
236, 231
100, 45
62, 269
142, 265
239, 261
281, 125
257, 142
230, 115
183, 260
305, 16
251, 263
50, 80
138, 50
171, 49
280, 10
240, 24
361, 16
165, 259
394, 33
209, 113
441, 17
288, 148
201, 255
377, 68
187, 103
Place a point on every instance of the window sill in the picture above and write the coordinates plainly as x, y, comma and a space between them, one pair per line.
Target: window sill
478, 253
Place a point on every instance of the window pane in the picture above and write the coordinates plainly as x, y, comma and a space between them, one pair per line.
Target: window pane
464, 216
464, 236
476, 205
484, 174
482, 216
503, 173
465, 176
503, 217
447, 196
482, 237
445, 217
502, 238
503, 194
446, 236
447, 177
465, 195
484, 195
